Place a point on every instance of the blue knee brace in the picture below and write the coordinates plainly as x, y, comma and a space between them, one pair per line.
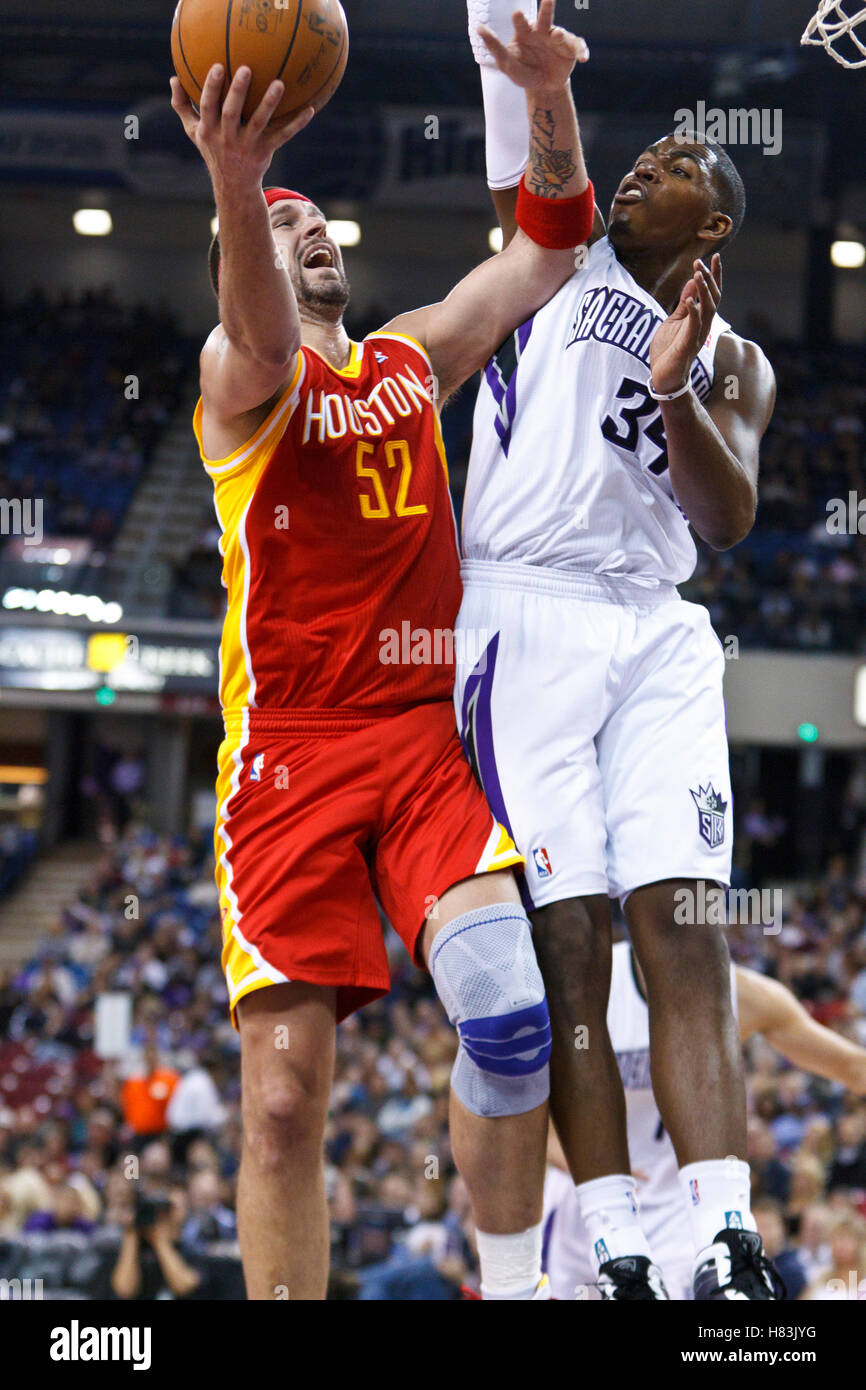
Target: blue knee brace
487, 977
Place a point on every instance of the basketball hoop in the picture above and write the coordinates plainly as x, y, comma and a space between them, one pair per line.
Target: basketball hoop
831, 25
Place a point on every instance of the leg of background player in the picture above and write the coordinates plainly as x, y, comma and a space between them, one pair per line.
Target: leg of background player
573, 942
573, 945
697, 1067
697, 1076
287, 1064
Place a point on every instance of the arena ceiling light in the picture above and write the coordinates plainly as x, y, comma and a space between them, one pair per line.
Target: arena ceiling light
92, 222
344, 232
64, 604
494, 238
860, 697
848, 255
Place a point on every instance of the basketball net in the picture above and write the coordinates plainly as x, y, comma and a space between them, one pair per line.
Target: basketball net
832, 25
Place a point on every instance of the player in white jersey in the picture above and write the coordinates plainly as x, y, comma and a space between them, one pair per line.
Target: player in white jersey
620, 415
761, 1005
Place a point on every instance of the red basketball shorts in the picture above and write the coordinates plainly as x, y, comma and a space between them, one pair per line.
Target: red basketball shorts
318, 815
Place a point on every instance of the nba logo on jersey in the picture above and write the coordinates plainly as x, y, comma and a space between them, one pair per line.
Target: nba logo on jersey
693, 1189
711, 814
257, 768
542, 863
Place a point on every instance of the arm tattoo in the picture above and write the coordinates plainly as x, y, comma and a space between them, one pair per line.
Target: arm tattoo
549, 169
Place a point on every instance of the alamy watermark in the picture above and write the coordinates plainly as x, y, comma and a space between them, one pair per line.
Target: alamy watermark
83, 1343
854, 1289
439, 646
22, 517
707, 904
846, 517
736, 126
21, 1290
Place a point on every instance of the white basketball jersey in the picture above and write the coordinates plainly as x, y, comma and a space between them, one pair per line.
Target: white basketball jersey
653, 1160
569, 462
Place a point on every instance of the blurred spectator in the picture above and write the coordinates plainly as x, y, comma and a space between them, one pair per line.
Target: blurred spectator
795, 580
18, 847
195, 1104
23, 1191
151, 1259
849, 1164
71, 1209
126, 780
845, 1275
209, 1221
146, 1094
769, 1218
82, 453
769, 1175
762, 833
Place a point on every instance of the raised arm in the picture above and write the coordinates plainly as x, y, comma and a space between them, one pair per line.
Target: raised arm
712, 447
765, 1006
250, 356
462, 331
506, 125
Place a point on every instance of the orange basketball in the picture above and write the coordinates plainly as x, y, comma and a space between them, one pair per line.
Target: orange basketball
304, 43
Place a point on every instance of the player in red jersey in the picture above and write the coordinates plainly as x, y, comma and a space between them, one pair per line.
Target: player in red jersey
341, 774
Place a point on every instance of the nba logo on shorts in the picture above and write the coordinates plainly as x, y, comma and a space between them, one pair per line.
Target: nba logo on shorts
693, 1189
542, 863
711, 814
257, 768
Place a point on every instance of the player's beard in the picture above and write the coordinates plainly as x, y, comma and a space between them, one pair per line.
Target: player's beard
620, 232
329, 294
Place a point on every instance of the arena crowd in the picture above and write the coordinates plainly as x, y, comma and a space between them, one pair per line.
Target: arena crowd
117, 1176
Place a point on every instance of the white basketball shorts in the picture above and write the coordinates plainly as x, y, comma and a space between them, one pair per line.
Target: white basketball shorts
592, 712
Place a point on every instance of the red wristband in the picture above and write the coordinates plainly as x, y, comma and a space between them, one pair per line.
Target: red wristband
556, 223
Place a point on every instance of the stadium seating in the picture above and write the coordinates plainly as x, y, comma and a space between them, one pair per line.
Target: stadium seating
398, 1225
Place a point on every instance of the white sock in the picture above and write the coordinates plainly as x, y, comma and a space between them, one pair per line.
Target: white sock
510, 1265
717, 1192
609, 1212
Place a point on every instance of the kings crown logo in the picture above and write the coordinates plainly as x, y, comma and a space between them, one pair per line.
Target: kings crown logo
711, 814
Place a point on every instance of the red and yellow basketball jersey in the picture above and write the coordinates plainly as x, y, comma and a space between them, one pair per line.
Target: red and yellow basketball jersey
338, 540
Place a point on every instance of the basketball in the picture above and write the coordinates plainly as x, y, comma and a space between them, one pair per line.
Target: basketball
305, 45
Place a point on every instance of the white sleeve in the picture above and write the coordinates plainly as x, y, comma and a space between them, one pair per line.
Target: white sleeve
505, 115
496, 14
506, 129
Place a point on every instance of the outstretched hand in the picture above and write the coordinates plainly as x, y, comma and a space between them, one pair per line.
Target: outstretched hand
679, 339
540, 56
233, 151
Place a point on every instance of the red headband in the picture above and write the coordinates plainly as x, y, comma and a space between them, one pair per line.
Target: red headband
275, 195
279, 195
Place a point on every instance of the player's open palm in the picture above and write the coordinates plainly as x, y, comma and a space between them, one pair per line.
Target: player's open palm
678, 340
540, 55
234, 151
